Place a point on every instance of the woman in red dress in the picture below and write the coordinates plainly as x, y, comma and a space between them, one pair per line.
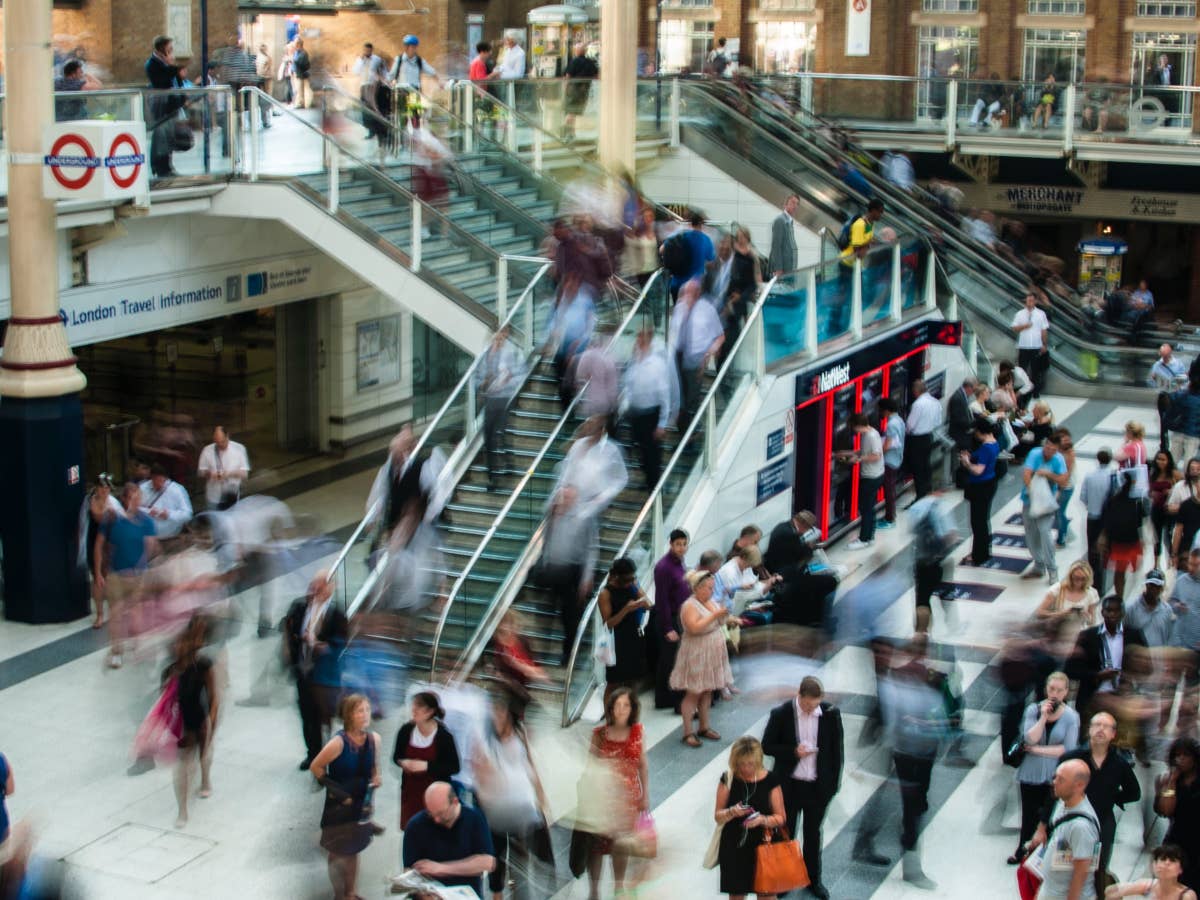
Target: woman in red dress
426, 753
619, 742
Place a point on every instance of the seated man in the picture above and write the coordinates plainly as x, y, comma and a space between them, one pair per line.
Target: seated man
449, 842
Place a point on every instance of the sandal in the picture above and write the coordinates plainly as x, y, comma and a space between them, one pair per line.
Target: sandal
691, 740
709, 734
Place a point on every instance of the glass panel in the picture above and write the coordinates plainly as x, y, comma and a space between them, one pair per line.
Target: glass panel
1162, 61
685, 44
785, 47
865, 99
950, 6
876, 284
942, 52
1053, 50
1057, 7
835, 281
784, 317
1166, 9
914, 257
1032, 108
188, 130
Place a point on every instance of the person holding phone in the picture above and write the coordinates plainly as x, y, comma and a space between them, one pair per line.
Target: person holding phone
749, 799
1049, 729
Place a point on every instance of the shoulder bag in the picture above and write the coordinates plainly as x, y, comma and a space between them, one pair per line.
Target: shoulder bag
779, 866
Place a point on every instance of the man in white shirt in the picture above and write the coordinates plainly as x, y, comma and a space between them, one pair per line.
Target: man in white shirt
372, 78
224, 466
696, 336
1033, 345
166, 502
594, 468
738, 574
512, 63
1168, 372
649, 403
409, 67
869, 457
923, 418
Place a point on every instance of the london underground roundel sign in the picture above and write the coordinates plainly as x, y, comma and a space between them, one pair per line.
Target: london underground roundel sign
95, 159
72, 170
123, 168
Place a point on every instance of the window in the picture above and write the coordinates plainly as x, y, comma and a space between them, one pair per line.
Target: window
1160, 61
1057, 7
1054, 50
784, 46
950, 6
685, 4
1165, 9
943, 51
789, 5
685, 44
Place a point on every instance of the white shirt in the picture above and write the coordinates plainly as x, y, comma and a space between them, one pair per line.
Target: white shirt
732, 578
512, 65
173, 500
694, 328
925, 415
647, 384
1114, 644
597, 472
1030, 338
232, 463
370, 71
806, 736
870, 444
499, 372
406, 71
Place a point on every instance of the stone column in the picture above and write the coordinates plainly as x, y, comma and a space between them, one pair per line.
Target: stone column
41, 421
618, 84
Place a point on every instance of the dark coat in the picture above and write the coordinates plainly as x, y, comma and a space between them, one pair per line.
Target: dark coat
1084, 663
779, 741
960, 422
444, 764
334, 632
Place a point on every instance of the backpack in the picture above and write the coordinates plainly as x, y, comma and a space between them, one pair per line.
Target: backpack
677, 255
843, 238
719, 63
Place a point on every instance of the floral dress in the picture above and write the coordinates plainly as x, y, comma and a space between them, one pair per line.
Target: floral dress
625, 759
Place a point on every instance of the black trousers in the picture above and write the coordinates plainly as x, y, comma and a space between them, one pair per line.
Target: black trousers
643, 423
495, 423
918, 448
664, 697
1035, 363
1094, 557
979, 496
914, 773
308, 697
804, 800
927, 576
513, 859
562, 580
1033, 798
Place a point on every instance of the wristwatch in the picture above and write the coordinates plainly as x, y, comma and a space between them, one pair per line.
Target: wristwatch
1167, 793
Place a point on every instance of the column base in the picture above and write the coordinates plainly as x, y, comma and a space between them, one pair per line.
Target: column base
41, 458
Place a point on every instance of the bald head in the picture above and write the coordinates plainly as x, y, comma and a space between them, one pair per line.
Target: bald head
441, 803
1071, 780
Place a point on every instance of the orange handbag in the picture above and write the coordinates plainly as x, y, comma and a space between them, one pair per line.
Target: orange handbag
780, 865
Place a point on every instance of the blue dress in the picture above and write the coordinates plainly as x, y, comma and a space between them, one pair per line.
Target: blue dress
346, 828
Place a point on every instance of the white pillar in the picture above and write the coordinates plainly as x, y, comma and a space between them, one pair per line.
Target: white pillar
618, 84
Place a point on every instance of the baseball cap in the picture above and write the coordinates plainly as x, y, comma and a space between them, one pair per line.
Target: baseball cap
1156, 576
410, 40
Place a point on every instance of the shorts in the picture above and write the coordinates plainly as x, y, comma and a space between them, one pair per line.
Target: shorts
122, 587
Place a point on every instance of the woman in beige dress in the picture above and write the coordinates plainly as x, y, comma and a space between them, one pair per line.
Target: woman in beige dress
702, 665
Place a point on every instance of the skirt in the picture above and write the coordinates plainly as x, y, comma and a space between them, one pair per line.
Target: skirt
702, 663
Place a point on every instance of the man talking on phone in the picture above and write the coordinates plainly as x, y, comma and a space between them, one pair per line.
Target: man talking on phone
805, 737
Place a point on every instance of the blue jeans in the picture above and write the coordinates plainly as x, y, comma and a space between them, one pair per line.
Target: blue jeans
868, 489
1060, 518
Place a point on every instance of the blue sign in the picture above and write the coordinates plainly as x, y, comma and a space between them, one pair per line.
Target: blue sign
774, 444
773, 479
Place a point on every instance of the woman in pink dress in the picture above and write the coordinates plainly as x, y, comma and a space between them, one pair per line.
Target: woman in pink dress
619, 743
702, 665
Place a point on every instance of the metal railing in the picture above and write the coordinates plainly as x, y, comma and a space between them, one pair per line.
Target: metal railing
464, 393
474, 647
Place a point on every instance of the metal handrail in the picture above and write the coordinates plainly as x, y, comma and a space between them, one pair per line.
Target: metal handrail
648, 506
512, 499
431, 426
505, 595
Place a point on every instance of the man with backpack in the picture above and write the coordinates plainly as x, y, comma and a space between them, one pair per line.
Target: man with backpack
686, 253
718, 61
1072, 842
854, 242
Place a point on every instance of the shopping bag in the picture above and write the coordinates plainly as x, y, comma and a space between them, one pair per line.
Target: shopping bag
642, 843
1042, 501
780, 865
158, 736
712, 854
606, 648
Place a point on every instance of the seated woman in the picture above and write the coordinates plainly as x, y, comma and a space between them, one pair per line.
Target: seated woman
1047, 98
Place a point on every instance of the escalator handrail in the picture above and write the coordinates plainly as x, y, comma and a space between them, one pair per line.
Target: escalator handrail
508, 505
451, 400
647, 509
428, 213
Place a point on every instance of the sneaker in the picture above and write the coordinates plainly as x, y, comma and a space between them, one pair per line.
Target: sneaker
859, 545
114, 661
885, 525
1035, 572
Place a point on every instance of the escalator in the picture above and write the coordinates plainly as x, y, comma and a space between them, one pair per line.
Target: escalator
763, 144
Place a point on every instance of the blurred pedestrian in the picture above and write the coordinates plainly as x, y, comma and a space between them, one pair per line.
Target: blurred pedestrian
315, 633
571, 326
498, 379
98, 508
595, 374
980, 465
620, 742
199, 702
580, 71
1122, 520
127, 544
166, 502
697, 336
348, 768
934, 535
425, 751
649, 403
224, 467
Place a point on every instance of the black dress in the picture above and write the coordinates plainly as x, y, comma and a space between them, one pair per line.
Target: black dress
738, 854
630, 646
1184, 831
345, 827
194, 702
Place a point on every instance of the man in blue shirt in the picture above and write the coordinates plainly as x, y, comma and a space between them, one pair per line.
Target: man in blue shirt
127, 544
1046, 463
449, 842
700, 250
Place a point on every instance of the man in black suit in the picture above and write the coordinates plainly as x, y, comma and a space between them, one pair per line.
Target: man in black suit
805, 737
787, 545
960, 422
1103, 655
315, 633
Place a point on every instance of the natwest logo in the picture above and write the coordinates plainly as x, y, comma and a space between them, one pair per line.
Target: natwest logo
831, 378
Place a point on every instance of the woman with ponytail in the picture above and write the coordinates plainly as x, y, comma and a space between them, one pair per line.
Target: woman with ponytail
425, 751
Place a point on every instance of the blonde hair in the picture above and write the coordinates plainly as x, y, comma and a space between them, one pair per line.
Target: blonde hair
1058, 676
1136, 430
743, 748
1079, 565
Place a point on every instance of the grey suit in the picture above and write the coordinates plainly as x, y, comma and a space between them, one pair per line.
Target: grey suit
783, 245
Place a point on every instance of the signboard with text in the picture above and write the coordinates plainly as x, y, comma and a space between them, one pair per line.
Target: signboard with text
773, 479
95, 159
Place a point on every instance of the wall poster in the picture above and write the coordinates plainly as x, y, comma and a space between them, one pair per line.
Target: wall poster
858, 27
378, 347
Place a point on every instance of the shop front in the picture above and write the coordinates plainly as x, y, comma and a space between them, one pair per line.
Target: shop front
831, 391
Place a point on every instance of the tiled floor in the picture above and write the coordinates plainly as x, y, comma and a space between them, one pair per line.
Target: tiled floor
67, 734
